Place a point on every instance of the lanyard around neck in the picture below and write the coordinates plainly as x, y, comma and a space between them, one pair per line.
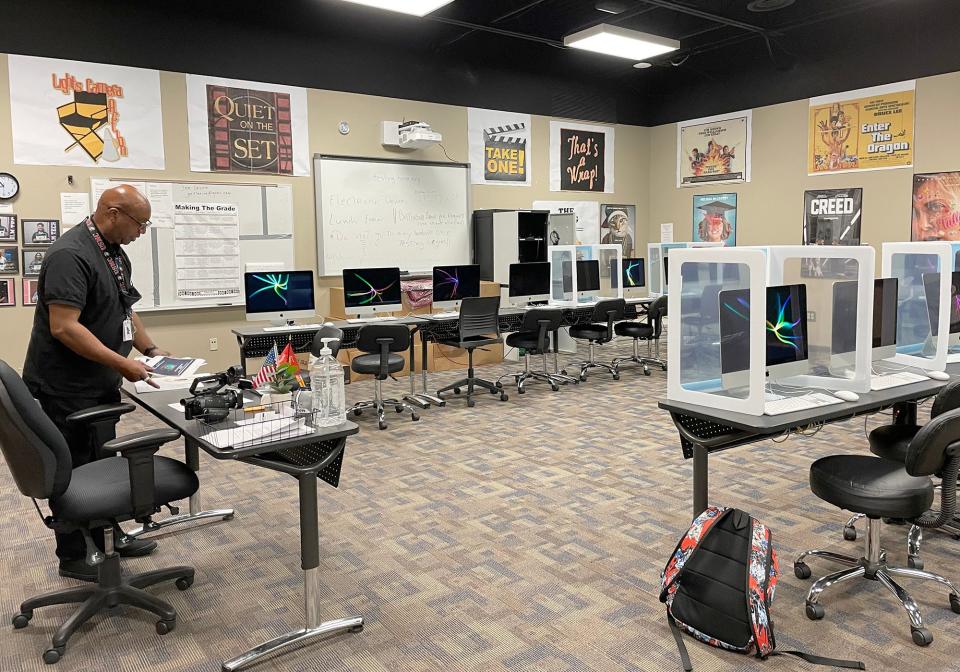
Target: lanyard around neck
114, 262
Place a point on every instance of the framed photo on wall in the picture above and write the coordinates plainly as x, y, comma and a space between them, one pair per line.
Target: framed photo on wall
40, 231
32, 261
9, 261
30, 289
715, 218
8, 228
8, 292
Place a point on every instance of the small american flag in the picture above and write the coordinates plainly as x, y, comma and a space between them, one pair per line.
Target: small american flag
268, 368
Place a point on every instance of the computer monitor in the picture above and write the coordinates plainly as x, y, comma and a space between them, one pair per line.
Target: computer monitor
529, 282
452, 284
785, 334
367, 291
931, 289
884, 328
588, 277
279, 296
631, 274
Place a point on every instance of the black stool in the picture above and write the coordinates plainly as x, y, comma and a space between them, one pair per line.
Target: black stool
385, 340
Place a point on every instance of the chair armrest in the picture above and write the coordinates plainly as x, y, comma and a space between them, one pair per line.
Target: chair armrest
99, 413
138, 449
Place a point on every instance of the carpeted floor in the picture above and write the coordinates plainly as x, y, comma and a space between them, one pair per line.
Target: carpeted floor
526, 535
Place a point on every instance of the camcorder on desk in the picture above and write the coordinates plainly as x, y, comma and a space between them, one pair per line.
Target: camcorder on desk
214, 395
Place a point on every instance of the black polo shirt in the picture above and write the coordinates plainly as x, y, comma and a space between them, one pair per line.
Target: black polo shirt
74, 273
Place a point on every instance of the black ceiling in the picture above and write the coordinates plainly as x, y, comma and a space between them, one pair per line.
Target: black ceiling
508, 54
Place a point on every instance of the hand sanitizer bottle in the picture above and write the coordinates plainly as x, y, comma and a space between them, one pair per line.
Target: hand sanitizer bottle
326, 380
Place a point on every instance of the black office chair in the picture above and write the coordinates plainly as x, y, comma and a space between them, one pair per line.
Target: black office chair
100, 494
479, 326
881, 488
648, 331
534, 337
607, 311
383, 341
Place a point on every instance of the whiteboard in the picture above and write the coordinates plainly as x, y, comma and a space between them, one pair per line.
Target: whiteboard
266, 235
385, 212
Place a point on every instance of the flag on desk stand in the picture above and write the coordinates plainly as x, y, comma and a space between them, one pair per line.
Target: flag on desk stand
288, 356
267, 369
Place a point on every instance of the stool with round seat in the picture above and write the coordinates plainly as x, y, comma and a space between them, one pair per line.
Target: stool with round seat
879, 488
382, 342
648, 331
598, 332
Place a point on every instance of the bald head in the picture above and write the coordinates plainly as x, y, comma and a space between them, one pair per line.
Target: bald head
121, 214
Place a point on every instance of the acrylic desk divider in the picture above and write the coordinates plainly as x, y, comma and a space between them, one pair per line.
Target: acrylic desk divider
839, 297
716, 353
563, 275
923, 329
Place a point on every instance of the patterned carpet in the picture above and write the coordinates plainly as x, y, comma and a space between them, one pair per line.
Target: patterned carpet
526, 535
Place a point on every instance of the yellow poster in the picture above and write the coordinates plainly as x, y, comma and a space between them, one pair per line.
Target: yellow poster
867, 129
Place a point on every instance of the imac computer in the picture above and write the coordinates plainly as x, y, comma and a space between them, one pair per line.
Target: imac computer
529, 282
630, 274
452, 284
931, 289
588, 278
785, 334
368, 291
843, 327
279, 296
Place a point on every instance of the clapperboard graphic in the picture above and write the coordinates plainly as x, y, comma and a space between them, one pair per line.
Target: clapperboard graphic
505, 153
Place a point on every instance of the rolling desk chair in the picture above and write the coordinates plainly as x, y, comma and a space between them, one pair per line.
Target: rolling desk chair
97, 495
534, 337
644, 331
880, 488
479, 326
383, 342
609, 311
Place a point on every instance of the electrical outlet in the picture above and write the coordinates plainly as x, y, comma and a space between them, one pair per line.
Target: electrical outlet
811, 316
214, 344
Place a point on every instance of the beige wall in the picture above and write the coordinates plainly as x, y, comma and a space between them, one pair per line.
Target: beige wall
770, 207
188, 331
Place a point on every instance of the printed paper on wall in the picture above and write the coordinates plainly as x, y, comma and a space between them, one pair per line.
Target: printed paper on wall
588, 217
714, 149
500, 147
581, 157
936, 207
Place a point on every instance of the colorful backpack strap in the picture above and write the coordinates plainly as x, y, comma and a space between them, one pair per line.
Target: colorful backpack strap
758, 580
695, 534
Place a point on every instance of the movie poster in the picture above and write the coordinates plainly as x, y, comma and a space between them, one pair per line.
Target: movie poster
714, 149
866, 129
588, 217
715, 219
500, 145
618, 226
581, 157
936, 207
92, 115
831, 217
247, 127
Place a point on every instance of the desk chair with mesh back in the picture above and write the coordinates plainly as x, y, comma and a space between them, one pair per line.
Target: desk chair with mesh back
880, 488
598, 332
648, 331
382, 342
534, 337
97, 495
479, 326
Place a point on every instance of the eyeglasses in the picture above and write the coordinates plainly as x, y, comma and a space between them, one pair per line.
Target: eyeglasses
143, 225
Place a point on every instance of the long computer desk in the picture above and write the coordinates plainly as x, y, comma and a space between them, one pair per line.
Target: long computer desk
307, 458
703, 431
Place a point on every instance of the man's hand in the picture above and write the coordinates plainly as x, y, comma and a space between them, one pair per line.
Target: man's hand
135, 371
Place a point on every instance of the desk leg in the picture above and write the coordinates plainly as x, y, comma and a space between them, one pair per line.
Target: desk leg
413, 397
424, 359
310, 561
192, 455
700, 485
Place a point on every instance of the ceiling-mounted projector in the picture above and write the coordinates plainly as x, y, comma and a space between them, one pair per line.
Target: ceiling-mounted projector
409, 134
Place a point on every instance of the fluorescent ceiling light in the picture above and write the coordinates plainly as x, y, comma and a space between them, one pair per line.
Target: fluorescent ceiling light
415, 7
622, 42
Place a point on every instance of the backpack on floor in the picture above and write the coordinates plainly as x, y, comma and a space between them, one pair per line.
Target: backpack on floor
719, 584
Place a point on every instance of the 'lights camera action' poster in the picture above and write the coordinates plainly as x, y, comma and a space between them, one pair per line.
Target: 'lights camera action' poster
500, 144
714, 149
831, 217
867, 129
581, 157
715, 219
936, 207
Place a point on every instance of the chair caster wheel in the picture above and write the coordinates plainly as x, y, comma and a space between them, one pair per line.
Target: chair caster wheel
814, 611
414, 417
801, 570
583, 377
356, 628
456, 390
955, 603
357, 412
555, 388
664, 367
229, 516
184, 582
442, 404
646, 372
563, 372
499, 386
521, 391
616, 376
917, 563
921, 636
849, 533
471, 402
503, 397
164, 627
21, 619
51, 656
382, 424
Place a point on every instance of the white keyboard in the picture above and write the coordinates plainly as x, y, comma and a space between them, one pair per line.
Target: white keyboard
887, 381
800, 403
362, 320
443, 316
292, 327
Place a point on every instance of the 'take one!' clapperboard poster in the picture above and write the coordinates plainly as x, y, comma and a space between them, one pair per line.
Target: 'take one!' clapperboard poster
499, 147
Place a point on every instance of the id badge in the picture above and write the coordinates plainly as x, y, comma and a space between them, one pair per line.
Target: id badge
127, 330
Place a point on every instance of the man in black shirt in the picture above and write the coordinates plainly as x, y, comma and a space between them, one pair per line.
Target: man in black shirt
83, 329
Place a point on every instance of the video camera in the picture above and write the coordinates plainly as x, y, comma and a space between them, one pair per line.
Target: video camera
211, 402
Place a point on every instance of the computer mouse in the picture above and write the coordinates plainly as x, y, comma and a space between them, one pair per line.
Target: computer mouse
938, 375
846, 395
